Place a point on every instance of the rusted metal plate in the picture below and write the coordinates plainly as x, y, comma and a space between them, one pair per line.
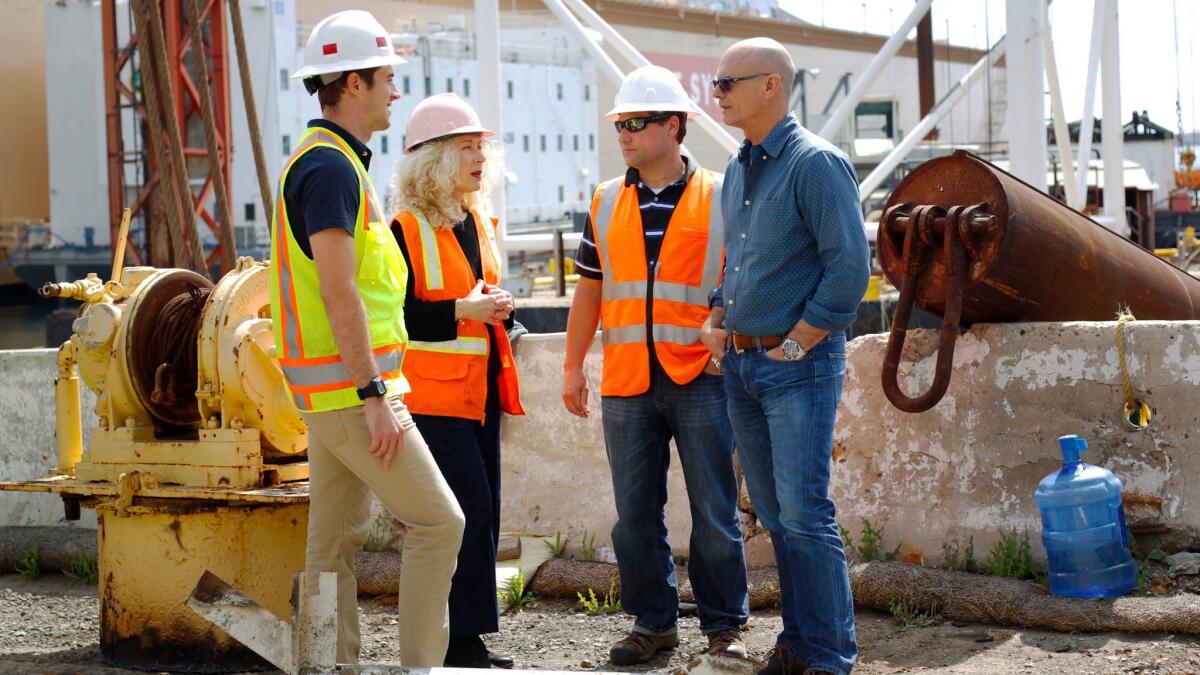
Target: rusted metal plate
286, 493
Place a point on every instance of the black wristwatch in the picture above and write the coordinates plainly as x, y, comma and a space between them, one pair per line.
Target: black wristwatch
375, 387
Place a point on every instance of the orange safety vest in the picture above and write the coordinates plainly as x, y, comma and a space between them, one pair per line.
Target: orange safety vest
688, 269
449, 378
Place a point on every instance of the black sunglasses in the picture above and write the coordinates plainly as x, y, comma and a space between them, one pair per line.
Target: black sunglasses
636, 124
724, 84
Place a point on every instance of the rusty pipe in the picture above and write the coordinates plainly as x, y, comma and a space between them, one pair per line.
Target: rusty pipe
1028, 257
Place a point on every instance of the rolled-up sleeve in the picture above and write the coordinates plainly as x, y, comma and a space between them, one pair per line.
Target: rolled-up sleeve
827, 194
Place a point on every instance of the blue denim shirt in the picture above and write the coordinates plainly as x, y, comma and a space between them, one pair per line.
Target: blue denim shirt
795, 245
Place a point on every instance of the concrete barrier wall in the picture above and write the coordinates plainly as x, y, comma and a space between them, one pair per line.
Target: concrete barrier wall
555, 469
27, 435
971, 464
966, 468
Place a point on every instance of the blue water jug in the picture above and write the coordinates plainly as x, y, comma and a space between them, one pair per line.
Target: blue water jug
1083, 528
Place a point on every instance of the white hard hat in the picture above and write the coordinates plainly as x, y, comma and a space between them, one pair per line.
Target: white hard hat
442, 115
651, 89
349, 40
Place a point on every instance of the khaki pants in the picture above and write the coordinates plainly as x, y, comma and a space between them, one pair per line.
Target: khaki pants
342, 471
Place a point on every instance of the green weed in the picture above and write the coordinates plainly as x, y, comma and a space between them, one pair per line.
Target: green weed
379, 537
515, 595
589, 546
961, 561
909, 615
557, 547
82, 570
871, 547
30, 566
610, 605
1011, 557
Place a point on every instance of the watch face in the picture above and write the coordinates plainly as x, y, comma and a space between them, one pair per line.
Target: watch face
792, 350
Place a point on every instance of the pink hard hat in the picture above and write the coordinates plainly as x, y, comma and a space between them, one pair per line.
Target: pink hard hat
439, 116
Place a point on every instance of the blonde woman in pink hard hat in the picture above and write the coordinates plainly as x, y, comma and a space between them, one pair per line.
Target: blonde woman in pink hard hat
459, 359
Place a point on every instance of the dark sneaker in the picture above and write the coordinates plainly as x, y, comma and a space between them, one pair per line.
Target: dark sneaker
467, 652
783, 661
726, 643
638, 648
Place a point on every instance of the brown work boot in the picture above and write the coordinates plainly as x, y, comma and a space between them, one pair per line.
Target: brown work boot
638, 648
783, 661
726, 642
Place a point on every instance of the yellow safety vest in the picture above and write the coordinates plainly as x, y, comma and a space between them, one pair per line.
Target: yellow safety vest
307, 352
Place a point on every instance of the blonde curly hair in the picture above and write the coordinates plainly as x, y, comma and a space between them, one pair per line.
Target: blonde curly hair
424, 182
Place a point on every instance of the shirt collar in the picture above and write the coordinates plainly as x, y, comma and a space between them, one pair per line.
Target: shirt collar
359, 148
774, 142
632, 177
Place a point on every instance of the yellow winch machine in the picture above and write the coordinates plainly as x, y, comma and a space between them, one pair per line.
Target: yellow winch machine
197, 461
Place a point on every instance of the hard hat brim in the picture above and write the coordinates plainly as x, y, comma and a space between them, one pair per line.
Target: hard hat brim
470, 129
347, 65
612, 115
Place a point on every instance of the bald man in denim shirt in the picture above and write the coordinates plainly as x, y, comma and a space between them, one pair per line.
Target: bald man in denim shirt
796, 268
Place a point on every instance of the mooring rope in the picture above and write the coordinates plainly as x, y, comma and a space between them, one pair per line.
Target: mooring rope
1137, 412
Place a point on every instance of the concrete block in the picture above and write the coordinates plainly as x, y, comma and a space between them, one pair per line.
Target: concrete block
27, 435
554, 467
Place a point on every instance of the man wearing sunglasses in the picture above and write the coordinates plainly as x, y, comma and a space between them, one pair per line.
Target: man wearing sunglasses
796, 268
651, 253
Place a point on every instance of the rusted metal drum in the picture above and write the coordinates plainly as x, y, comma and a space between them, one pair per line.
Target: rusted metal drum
963, 239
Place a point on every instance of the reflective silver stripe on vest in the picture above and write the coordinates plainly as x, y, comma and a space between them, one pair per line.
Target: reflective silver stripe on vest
676, 335
291, 321
716, 241
663, 333
610, 192
624, 335
429, 252
463, 345
334, 373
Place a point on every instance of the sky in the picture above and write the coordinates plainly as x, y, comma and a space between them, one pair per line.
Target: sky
1148, 44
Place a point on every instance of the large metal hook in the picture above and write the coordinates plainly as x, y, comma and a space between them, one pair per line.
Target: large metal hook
918, 243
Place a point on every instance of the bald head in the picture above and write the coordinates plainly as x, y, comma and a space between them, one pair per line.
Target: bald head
764, 55
754, 85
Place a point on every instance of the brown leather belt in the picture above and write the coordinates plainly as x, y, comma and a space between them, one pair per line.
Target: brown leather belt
749, 342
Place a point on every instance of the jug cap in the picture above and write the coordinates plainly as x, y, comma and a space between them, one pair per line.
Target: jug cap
1072, 447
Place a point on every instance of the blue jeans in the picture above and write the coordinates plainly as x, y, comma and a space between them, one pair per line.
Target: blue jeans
782, 415
637, 434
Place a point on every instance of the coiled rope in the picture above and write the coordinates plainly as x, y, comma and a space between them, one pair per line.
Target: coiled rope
175, 347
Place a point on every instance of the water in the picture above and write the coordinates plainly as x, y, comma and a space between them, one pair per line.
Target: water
1083, 528
24, 326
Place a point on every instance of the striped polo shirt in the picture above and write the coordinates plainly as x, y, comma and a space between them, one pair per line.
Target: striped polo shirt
656, 211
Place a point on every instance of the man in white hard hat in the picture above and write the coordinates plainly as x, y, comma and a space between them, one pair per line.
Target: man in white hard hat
337, 304
651, 253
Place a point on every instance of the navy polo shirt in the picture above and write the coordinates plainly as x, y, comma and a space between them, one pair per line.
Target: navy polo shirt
322, 191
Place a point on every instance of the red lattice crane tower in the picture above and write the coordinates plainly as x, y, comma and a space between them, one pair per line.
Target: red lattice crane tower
159, 160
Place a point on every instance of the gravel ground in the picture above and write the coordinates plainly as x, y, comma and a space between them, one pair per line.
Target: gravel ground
48, 626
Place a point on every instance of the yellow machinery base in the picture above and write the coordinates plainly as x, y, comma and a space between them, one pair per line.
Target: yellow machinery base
151, 559
224, 458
